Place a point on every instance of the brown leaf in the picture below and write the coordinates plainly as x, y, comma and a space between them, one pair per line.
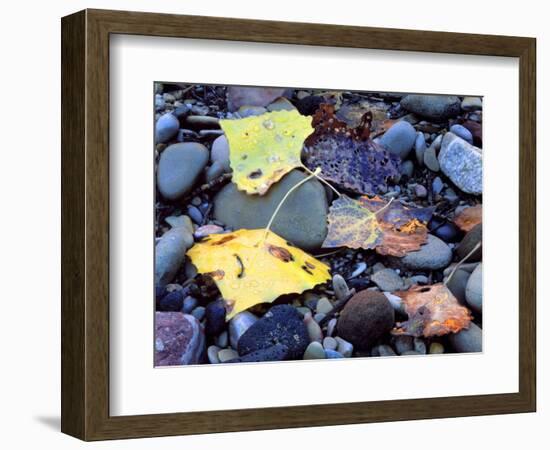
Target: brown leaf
395, 230
468, 218
433, 311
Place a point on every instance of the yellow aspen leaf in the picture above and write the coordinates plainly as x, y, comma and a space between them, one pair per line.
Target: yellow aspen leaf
254, 266
371, 223
433, 311
262, 149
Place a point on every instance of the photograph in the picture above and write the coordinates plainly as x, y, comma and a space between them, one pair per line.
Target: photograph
299, 223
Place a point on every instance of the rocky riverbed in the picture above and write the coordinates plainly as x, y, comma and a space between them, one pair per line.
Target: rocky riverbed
437, 143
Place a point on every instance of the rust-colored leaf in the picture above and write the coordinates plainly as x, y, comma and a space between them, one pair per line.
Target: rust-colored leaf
433, 311
367, 223
468, 218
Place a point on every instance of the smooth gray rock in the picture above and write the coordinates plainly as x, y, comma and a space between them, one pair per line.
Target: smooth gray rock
430, 159
214, 171
468, 340
281, 104
341, 289
302, 219
457, 285
471, 104
166, 128
433, 255
314, 351
179, 167
248, 111
407, 168
403, 344
462, 132
462, 163
238, 96
420, 147
170, 254
387, 280
399, 139
220, 152
474, 289
468, 243
238, 325
436, 107
344, 347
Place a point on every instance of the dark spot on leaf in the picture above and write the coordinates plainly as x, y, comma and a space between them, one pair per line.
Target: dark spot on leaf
256, 174
309, 265
241, 266
280, 253
225, 239
307, 270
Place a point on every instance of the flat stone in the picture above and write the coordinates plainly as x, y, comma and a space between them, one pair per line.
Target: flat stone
179, 339
469, 242
179, 167
436, 107
433, 255
249, 111
302, 219
387, 280
468, 340
399, 139
462, 132
471, 104
474, 289
282, 324
430, 159
420, 147
462, 163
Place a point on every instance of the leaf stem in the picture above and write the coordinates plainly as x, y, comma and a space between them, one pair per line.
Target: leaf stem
459, 263
296, 186
322, 180
385, 206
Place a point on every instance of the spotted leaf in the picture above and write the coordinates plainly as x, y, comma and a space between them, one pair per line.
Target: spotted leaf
250, 267
264, 148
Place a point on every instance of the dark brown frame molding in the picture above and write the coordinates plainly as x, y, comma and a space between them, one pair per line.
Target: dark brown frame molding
85, 224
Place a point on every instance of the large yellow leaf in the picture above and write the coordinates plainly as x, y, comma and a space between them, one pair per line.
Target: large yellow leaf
249, 270
262, 149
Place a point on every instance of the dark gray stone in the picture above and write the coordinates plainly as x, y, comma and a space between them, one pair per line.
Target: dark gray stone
474, 289
468, 340
179, 167
436, 107
166, 128
302, 219
277, 352
433, 255
468, 243
215, 317
282, 324
399, 139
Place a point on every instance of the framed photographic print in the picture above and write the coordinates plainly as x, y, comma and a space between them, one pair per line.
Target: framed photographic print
271, 224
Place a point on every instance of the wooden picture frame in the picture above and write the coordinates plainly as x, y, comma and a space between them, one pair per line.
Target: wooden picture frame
85, 224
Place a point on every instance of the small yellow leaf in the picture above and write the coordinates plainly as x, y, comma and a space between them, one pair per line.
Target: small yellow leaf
249, 270
262, 149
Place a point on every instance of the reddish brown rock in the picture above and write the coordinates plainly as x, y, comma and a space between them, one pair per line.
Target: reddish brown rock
366, 318
179, 339
238, 96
